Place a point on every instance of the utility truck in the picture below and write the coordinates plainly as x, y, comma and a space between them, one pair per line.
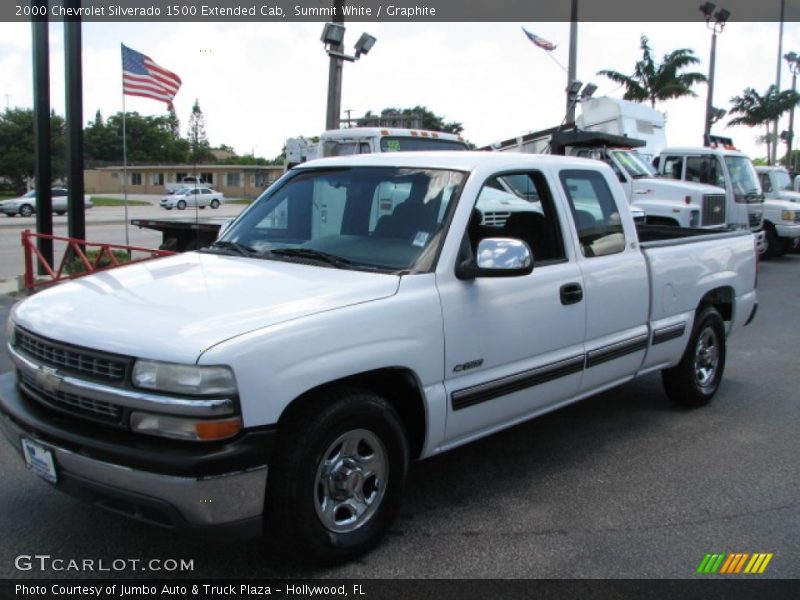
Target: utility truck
721, 164
355, 339
781, 211
665, 202
367, 140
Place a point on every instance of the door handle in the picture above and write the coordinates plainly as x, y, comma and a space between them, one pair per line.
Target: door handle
571, 293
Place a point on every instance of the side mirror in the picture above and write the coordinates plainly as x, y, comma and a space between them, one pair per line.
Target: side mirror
498, 257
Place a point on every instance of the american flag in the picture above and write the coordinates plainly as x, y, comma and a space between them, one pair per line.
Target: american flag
540, 41
141, 76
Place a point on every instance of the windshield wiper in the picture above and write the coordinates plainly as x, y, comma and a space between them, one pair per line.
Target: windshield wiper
331, 259
241, 249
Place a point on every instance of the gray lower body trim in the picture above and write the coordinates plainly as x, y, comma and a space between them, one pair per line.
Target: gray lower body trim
618, 350
514, 383
666, 334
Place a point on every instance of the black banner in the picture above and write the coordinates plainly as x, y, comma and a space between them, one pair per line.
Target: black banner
367, 589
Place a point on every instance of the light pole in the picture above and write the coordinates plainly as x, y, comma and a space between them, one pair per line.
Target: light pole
794, 66
716, 23
333, 38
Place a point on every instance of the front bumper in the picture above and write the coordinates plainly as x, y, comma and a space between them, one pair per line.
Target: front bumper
787, 230
199, 491
9, 210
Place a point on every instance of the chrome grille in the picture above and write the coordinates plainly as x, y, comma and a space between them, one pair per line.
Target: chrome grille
495, 218
754, 219
713, 209
70, 403
72, 359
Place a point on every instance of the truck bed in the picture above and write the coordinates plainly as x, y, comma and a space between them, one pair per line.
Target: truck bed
652, 236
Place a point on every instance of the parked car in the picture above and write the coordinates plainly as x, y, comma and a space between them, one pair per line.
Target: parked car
25, 205
189, 181
781, 211
192, 196
355, 339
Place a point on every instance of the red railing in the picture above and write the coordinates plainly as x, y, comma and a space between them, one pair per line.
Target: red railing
101, 259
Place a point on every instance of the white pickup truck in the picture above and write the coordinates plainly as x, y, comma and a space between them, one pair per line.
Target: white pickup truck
357, 316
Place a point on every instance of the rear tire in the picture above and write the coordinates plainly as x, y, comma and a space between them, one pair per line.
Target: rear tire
337, 475
695, 380
60, 213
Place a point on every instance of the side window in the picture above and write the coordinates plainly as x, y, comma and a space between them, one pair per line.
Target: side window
519, 206
673, 167
595, 212
766, 184
702, 169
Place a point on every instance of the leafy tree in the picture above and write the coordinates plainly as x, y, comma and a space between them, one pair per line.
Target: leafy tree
150, 139
101, 142
755, 110
430, 120
199, 148
174, 122
17, 156
657, 82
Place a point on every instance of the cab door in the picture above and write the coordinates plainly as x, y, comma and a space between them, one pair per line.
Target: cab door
616, 281
513, 345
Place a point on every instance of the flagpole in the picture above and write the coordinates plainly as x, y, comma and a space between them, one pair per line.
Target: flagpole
125, 168
562, 67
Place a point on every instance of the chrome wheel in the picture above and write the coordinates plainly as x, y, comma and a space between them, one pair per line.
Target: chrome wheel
351, 481
706, 357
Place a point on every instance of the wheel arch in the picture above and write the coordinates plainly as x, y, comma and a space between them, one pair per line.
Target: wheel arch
721, 298
399, 386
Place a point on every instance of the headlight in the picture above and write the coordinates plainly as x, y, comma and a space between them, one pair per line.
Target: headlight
185, 429
184, 379
11, 332
787, 215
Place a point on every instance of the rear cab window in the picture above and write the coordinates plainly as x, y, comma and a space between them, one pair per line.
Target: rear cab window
595, 213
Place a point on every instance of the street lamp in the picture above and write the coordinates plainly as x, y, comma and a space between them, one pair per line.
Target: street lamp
794, 66
333, 38
716, 23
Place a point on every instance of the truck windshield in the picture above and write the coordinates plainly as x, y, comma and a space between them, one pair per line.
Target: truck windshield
403, 144
744, 180
369, 218
634, 164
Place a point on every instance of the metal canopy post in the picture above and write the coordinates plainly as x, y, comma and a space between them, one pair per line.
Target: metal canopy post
41, 131
74, 113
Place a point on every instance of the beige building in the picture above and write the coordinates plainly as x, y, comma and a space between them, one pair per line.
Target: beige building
235, 181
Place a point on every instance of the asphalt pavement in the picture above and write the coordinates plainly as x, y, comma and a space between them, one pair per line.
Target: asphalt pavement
621, 485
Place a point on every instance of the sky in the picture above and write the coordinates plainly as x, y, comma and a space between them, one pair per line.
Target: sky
261, 83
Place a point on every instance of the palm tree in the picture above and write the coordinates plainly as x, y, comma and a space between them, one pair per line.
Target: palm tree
656, 82
755, 109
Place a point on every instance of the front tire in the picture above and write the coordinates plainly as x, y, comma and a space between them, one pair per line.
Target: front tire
337, 476
772, 241
215, 203
695, 380
181, 205
26, 210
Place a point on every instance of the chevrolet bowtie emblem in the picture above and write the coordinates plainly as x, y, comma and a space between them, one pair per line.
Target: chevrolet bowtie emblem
48, 379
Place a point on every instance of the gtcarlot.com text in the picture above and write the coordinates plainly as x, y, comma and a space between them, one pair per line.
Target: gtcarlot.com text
46, 562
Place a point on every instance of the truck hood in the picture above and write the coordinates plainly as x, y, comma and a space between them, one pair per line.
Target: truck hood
667, 189
175, 308
787, 196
